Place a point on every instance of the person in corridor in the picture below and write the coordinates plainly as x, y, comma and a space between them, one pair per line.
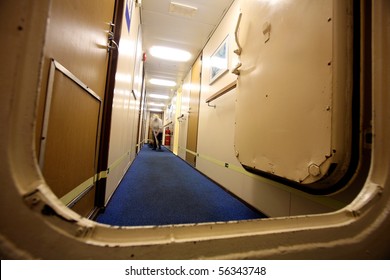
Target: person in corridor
156, 126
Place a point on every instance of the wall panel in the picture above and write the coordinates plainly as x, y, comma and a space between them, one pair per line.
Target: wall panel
69, 141
183, 121
126, 103
76, 38
217, 158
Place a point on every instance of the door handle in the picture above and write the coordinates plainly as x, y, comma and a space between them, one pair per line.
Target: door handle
111, 45
238, 51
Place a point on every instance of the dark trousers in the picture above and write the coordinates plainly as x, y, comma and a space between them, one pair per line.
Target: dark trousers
159, 141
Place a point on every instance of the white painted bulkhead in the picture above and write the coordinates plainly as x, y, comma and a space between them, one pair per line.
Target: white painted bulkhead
216, 140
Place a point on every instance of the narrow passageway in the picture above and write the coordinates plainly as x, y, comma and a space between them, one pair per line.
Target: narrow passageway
161, 189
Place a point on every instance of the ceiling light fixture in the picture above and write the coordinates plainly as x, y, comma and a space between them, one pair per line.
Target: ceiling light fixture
170, 53
158, 96
156, 104
155, 110
161, 82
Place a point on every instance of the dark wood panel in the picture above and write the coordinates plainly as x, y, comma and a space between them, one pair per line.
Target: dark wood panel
70, 143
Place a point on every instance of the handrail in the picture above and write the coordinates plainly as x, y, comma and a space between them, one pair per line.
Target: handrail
221, 92
168, 124
239, 50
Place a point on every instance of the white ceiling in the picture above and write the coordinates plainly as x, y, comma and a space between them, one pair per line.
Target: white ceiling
160, 27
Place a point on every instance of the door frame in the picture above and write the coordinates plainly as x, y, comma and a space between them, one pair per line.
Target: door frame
107, 111
193, 120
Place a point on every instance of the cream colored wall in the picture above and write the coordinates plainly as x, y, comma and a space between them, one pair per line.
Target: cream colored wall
183, 123
216, 141
124, 122
139, 90
170, 121
176, 122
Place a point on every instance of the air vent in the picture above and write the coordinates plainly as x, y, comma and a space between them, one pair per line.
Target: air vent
182, 10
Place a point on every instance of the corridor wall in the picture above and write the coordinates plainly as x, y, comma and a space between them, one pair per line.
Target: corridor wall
183, 121
217, 157
72, 92
126, 103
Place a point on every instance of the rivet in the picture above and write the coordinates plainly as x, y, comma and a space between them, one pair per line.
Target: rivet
35, 200
80, 231
32, 200
356, 213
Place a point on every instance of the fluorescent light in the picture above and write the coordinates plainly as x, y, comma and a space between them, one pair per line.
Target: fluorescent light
161, 82
156, 104
155, 110
158, 96
170, 53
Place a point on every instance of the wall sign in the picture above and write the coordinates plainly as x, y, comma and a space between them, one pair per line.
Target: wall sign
128, 11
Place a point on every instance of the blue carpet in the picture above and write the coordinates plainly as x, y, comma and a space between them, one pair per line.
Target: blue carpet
161, 189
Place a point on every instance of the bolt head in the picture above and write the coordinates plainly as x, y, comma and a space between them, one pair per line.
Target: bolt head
314, 170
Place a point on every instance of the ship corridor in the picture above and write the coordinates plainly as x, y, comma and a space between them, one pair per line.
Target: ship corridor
93, 121
275, 137
161, 189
